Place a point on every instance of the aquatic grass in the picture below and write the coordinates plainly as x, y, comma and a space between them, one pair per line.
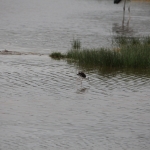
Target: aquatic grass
57, 55
131, 53
135, 53
146, 40
136, 56
123, 40
76, 44
101, 57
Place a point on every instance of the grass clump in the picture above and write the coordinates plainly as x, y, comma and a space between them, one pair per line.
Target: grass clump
130, 41
76, 44
124, 41
95, 57
57, 55
136, 56
131, 53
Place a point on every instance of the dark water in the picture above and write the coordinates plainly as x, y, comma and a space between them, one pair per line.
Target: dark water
42, 103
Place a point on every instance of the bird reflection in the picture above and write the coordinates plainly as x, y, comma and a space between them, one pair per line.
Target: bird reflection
82, 90
122, 29
82, 76
117, 2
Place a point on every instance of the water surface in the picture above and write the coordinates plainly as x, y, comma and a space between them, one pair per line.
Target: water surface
43, 106
49, 25
42, 103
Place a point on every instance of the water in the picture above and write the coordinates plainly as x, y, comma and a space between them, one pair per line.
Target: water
48, 26
42, 103
43, 106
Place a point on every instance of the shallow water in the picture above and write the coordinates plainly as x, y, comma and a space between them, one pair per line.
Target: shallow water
49, 25
42, 102
43, 106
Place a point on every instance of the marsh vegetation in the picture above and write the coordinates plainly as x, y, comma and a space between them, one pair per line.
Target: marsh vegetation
130, 52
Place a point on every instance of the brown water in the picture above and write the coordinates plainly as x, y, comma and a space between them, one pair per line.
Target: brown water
42, 103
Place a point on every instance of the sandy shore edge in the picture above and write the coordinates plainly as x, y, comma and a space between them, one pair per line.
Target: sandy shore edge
7, 52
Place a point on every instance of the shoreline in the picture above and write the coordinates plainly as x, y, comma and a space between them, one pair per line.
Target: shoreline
7, 52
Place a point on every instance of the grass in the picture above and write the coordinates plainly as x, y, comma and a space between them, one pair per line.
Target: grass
76, 44
122, 41
57, 55
130, 53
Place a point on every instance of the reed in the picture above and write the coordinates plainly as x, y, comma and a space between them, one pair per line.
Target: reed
57, 55
130, 53
135, 56
120, 41
76, 44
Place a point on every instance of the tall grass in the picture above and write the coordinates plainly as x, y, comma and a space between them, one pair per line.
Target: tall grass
57, 55
101, 57
130, 53
76, 44
123, 41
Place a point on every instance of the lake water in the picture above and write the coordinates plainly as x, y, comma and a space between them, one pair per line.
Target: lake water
42, 103
50, 25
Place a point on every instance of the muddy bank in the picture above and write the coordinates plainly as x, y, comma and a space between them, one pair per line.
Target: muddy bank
7, 52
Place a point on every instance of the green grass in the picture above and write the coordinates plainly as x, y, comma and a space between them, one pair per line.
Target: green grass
122, 40
101, 57
57, 55
131, 53
76, 44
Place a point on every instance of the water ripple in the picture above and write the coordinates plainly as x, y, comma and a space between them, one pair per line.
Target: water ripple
43, 104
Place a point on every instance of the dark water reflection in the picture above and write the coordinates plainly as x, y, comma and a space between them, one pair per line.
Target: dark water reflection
135, 23
123, 30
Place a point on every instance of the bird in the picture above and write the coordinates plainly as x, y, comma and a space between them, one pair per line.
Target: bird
81, 74
116, 1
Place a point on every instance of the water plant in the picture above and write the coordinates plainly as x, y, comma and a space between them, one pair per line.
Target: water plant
131, 53
57, 55
76, 44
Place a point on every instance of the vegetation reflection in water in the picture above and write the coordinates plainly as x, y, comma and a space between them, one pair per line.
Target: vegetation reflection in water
131, 52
